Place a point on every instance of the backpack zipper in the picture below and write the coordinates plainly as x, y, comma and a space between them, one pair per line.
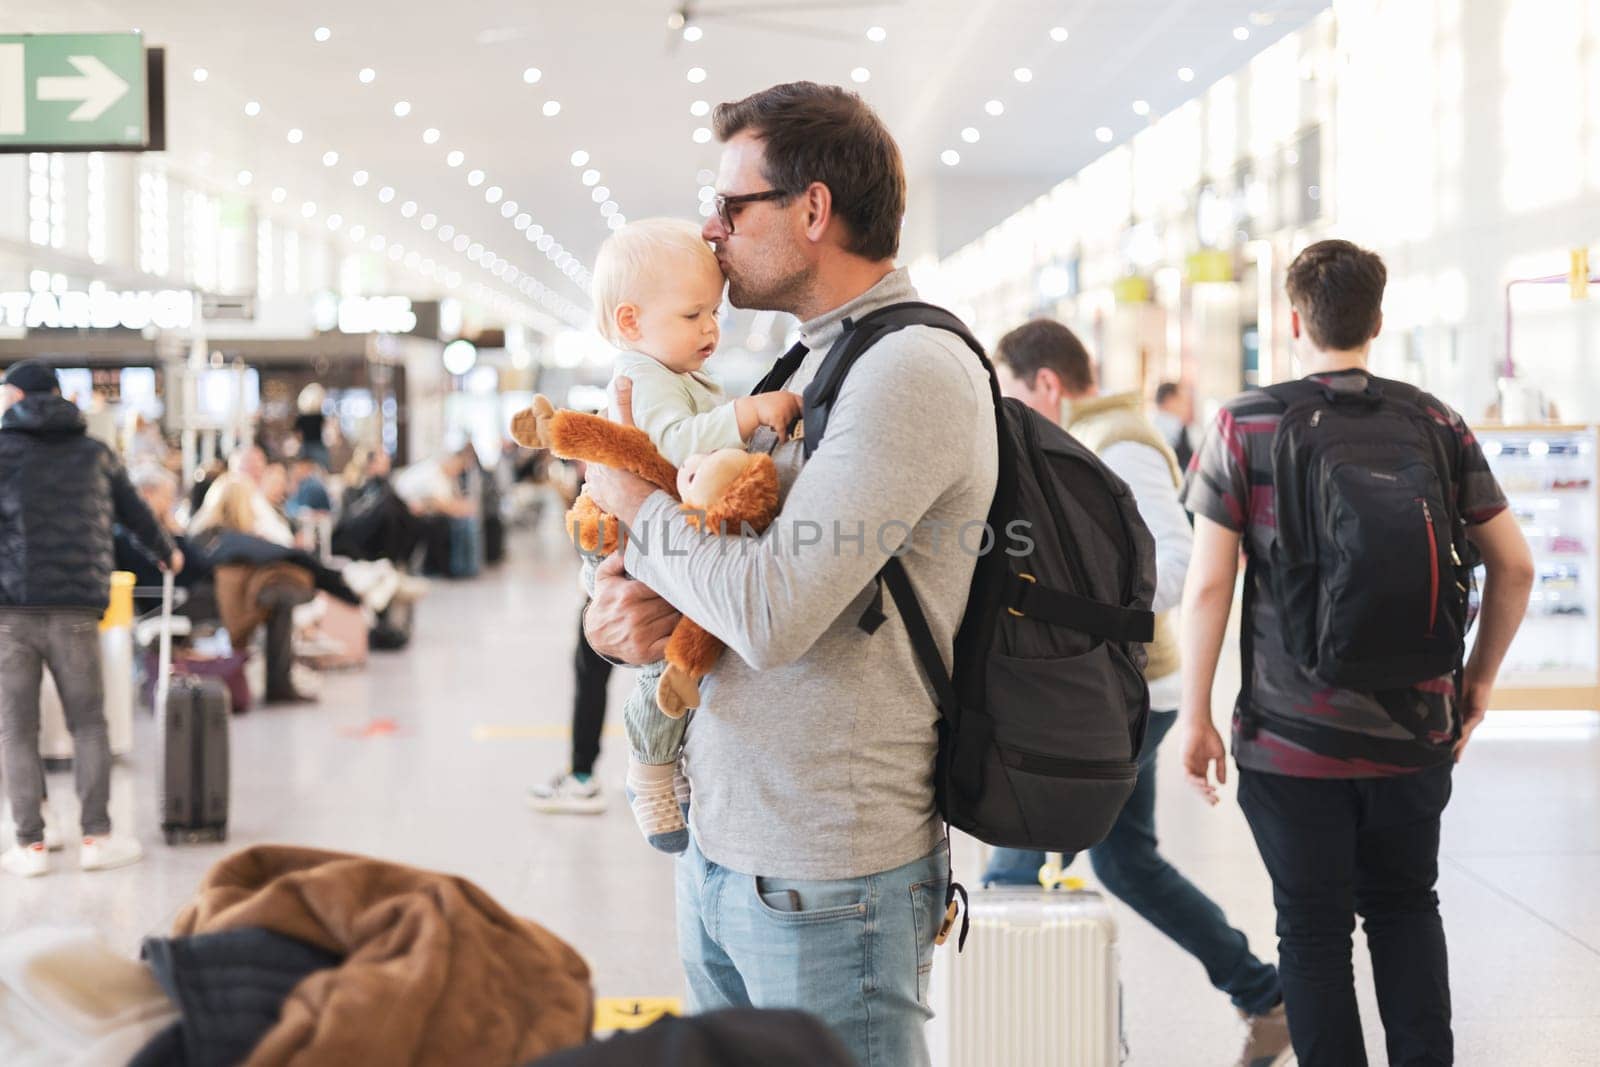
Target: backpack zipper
1316, 417
1060, 766
1433, 569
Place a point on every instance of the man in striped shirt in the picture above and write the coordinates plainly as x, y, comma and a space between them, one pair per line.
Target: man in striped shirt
1346, 811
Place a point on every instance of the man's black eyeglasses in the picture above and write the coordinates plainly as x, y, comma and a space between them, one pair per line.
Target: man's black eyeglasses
726, 205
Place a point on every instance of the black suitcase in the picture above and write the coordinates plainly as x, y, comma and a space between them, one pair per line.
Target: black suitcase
193, 722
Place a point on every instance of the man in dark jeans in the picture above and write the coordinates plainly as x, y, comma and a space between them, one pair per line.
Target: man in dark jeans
60, 493
575, 792
1346, 811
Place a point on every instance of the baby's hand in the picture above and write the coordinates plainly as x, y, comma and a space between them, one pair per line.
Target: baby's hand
778, 410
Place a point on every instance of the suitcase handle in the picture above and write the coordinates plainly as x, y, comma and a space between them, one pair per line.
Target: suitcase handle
164, 657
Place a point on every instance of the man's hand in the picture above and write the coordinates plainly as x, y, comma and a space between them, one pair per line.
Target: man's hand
1202, 751
1474, 705
617, 492
174, 562
626, 620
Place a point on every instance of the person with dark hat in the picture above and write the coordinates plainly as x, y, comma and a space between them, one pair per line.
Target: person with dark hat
61, 491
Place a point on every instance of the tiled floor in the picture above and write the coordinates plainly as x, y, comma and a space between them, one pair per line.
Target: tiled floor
480, 702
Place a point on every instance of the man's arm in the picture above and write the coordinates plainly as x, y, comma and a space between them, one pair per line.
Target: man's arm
1507, 582
135, 516
877, 473
1207, 600
1147, 474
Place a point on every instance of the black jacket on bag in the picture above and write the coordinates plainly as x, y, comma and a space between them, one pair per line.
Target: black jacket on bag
61, 492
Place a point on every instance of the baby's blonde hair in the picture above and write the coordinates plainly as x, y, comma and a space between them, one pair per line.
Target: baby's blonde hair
636, 253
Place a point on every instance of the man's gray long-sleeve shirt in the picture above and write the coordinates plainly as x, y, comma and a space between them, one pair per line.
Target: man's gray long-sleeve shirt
811, 755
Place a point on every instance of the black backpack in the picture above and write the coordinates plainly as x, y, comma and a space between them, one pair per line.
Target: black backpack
1371, 564
1041, 725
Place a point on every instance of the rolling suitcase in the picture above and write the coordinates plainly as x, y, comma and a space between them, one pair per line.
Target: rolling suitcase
1036, 983
193, 717
116, 666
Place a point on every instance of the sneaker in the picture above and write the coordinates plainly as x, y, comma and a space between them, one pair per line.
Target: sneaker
1267, 1040
105, 853
28, 862
566, 794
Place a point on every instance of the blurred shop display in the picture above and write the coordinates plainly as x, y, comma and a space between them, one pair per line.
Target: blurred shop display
1549, 474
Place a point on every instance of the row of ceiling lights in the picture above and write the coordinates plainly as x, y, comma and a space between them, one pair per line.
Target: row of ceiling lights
476, 252
950, 157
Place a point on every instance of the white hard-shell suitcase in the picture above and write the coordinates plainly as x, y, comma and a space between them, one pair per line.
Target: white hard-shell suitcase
1036, 984
116, 665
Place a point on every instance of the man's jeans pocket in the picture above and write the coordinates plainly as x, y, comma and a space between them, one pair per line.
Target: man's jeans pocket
927, 913
793, 902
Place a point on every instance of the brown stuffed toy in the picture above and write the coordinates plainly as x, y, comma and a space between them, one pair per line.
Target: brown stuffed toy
725, 491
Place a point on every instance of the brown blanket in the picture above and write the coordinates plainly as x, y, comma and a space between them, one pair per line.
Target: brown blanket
435, 971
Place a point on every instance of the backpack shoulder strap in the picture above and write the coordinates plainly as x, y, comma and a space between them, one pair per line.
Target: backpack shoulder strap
782, 370
1295, 393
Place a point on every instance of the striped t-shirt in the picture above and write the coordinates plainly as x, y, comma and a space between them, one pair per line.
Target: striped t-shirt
1230, 482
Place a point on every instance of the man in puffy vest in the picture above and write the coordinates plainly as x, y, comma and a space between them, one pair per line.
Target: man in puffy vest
61, 493
1043, 364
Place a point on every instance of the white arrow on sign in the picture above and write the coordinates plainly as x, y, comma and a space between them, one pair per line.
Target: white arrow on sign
97, 87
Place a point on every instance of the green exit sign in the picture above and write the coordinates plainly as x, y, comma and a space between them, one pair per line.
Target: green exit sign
79, 92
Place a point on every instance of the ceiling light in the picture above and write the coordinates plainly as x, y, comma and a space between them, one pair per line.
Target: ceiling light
295, 136
876, 34
408, 209
428, 221
705, 177
279, 195
475, 178
402, 108
522, 221
1185, 74
697, 75
386, 194
473, 249
545, 242
330, 159
949, 157
699, 109
461, 242
1058, 34
308, 209
600, 194
356, 233
1022, 74
493, 194
252, 109
532, 75
446, 232
970, 135
1141, 107
705, 210
552, 108
322, 33
245, 177
201, 74
608, 209
1241, 34
860, 74
508, 209
616, 222
579, 158
702, 135
455, 158
995, 108
359, 178
591, 177
430, 136
692, 34
535, 231
707, 194
1103, 134
367, 75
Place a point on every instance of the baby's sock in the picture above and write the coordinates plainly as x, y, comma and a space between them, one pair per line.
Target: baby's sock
655, 805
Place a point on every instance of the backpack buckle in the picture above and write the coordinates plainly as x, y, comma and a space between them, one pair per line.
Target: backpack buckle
1025, 576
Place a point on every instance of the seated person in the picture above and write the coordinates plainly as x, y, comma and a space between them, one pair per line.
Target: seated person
432, 490
374, 522
307, 490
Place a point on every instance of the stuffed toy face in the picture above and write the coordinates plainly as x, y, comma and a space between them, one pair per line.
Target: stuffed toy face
703, 478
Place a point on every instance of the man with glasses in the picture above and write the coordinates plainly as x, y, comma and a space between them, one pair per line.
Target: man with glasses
816, 873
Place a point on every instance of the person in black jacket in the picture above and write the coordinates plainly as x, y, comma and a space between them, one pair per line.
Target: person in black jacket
61, 492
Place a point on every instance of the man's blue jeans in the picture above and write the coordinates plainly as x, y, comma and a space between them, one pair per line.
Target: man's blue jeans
856, 952
1130, 867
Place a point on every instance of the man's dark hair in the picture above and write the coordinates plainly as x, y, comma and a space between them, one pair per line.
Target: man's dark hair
1046, 343
822, 133
1337, 288
1165, 392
